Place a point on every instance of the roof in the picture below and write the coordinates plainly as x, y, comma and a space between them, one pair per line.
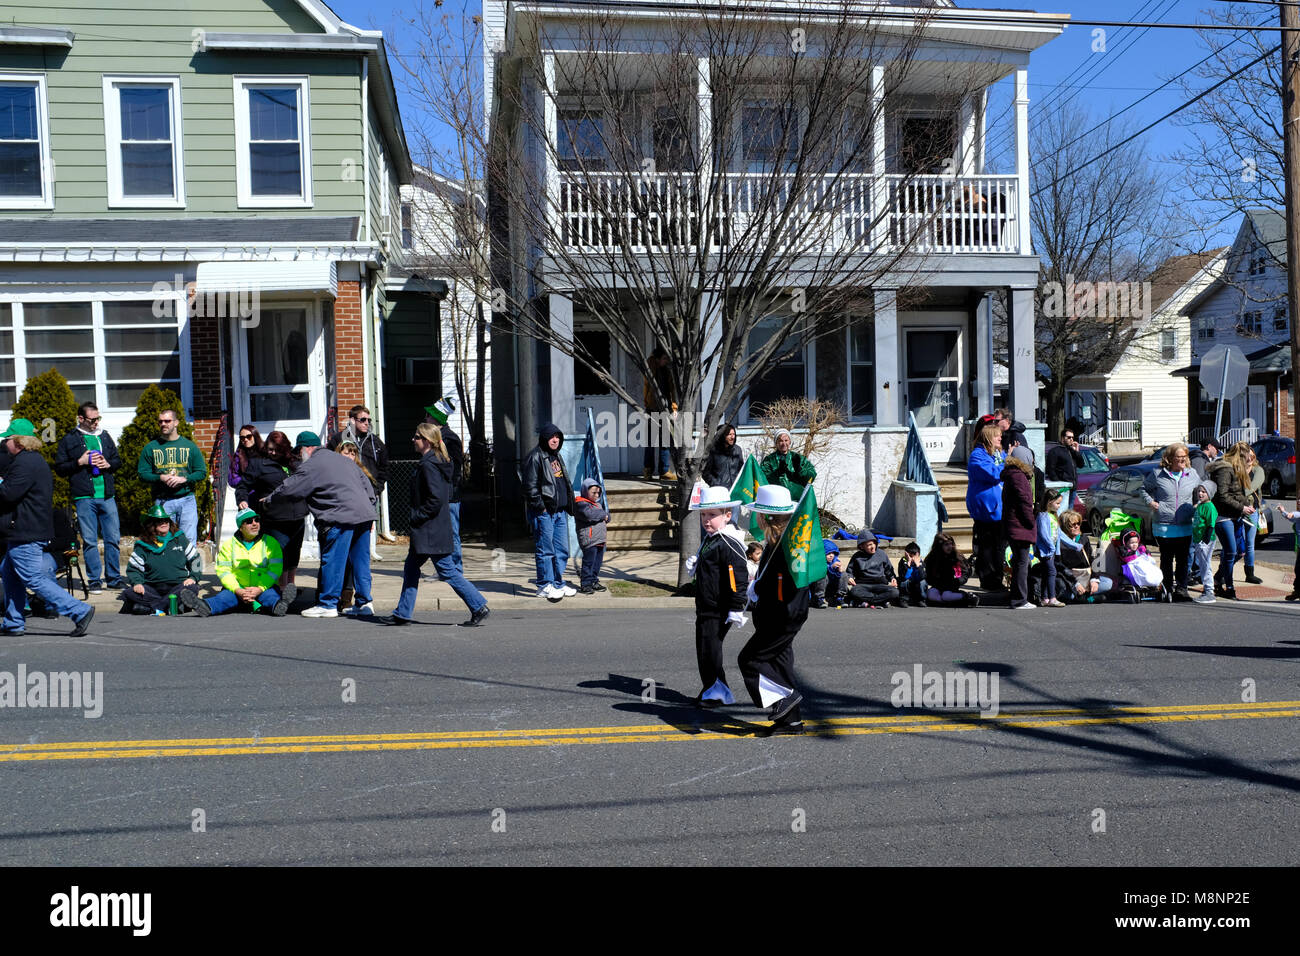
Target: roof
1271, 358
1175, 272
1266, 225
302, 229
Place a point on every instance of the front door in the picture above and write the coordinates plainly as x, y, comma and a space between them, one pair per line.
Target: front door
590, 392
934, 385
281, 365
1255, 408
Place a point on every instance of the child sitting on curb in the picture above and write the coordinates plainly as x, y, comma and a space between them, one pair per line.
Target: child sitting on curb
830, 590
945, 573
590, 519
911, 577
871, 577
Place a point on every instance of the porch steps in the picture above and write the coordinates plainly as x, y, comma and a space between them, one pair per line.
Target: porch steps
641, 515
952, 487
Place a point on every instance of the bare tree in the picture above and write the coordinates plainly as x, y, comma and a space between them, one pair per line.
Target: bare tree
717, 193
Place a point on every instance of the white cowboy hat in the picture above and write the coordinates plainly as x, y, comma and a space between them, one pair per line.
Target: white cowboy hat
772, 500
716, 497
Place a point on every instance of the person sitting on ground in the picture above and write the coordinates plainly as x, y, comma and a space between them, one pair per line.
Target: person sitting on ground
911, 577
871, 579
1077, 560
249, 566
164, 562
945, 574
591, 519
1049, 534
830, 590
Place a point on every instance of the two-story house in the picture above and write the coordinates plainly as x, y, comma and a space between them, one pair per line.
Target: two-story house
928, 353
1246, 307
207, 200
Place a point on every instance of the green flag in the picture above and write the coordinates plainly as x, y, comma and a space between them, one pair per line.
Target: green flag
745, 490
802, 542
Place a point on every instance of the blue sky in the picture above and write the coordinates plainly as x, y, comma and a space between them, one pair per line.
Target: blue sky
1134, 63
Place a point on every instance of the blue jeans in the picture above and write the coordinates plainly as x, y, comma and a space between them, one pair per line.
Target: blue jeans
551, 535
447, 571
228, 600
1246, 531
344, 545
94, 515
1227, 534
454, 508
25, 568
591, 560
665, 460
185, 513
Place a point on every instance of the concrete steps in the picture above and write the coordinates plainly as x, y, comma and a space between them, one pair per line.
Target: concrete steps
641, 514
952, 487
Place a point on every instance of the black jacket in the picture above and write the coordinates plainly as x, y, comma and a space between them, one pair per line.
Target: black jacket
262, 476
543, 474
781, 606
27, 500
80, 478
430, 516
374, 455
1063, 464
714, 591
723, 466
456, 451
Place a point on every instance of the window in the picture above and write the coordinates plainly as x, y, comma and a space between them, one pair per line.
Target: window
927, 143
1204, 329
769, 135
933, 371
786, 375
61, 334
670, 138
582, 140
1279, 320
406, 226
272, 141
1204, 404
140, 349
1257, 264
1251, 323
1168, 345
26, 180
142, 127
8, 379
862, 371
278, 377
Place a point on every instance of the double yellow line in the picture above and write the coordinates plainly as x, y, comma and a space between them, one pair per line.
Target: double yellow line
903, 723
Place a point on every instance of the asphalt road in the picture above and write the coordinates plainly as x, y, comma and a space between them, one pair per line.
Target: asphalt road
1122, 739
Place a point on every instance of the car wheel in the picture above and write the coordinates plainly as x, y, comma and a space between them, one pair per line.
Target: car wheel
1274, 485
1096, 524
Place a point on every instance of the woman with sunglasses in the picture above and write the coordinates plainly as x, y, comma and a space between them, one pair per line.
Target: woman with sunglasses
247, 445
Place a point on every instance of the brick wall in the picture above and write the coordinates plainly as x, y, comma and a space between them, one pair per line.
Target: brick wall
349, 351
205, 366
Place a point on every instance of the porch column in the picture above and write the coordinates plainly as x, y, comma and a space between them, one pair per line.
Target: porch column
889, 402
983, 354
562, 399
1022, 160
1020, 346
966, 135
711, 327
879, 186
981, 129
552, 146
704, 97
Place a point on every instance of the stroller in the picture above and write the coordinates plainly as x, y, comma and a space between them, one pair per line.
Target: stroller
1140, 576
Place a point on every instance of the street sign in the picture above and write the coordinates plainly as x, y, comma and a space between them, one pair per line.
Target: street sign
1224, 371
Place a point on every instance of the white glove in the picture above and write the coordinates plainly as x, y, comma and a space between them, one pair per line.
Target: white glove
690, 564
751, 593
737, 618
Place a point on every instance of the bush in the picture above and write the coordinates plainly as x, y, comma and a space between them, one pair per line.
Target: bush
48, 403
134, 495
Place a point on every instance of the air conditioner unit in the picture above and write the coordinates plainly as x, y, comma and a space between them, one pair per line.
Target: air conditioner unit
419, 371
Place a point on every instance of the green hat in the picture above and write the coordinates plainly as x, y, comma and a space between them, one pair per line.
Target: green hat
308, 440
156, 513
245, 515
20, 426
442, 409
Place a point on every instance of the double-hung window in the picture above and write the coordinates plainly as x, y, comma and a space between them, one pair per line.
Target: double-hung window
142, 129
26, 174
272, 141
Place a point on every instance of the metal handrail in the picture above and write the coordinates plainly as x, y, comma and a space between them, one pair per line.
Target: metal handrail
916, 467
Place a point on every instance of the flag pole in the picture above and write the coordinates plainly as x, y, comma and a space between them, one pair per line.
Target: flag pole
786, 529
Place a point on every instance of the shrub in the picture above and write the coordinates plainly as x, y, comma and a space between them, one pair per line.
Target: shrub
48, 403
134, 495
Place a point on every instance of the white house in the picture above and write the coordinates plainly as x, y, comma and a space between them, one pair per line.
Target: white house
928, 353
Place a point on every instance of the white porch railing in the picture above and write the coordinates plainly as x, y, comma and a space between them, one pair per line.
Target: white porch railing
600, 212
1095, 437
1120, 430
1246, 433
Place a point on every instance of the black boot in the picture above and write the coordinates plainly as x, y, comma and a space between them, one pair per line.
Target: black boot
1250, 575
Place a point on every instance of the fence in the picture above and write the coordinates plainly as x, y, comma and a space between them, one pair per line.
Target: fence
402, 474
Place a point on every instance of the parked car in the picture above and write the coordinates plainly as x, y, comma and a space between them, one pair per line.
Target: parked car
1095, 467
1277, 457
1122, 489
1160, 452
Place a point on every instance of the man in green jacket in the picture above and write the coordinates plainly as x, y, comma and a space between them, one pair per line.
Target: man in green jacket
788, 468
249, 566
174, 466
162, 563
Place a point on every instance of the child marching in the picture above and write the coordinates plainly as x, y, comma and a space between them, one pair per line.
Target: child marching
721, 582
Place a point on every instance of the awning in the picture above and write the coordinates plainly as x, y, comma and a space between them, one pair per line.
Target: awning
1274, 358
307, 275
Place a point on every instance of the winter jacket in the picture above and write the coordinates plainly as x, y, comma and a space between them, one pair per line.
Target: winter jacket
908, 572
792, 470
180, 457
335, 489
373, 454
248, 564
27, 499
721, 576
1174, 493
1076, 553
1063, 465
546, 482
781, 606
874, 568
164, 564
1204, 519
1229, 496
430, 514
946, 574
263, 476
81, 478
1018, 507
723, 465
1049, 534
590, 517
456, 452
984, 486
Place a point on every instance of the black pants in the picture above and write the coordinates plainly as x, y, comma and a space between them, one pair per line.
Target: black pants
709, 632
874, 593
1020, 554
989, 559
154, 599
770, 653
1173, 551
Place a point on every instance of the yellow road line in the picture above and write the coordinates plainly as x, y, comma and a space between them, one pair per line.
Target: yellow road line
645, 733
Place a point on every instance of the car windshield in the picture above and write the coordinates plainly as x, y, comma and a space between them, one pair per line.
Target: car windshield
1092, 462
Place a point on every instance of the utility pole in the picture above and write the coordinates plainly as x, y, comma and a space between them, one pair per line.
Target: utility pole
1289, 15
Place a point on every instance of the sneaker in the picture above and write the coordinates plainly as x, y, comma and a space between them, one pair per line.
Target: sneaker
393, 620
567, 591
1026, 606
478, 617
1053, 603
96, 589
820, 604
599, 587
83, 623
669, 476
1180, 595
202, 608
361, 610
784, 706
320, 611
586, 589
551, 593
287, 594
1207, 599
189, 600
1293, 596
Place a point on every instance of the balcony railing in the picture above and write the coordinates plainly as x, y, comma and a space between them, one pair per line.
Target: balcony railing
600, 212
